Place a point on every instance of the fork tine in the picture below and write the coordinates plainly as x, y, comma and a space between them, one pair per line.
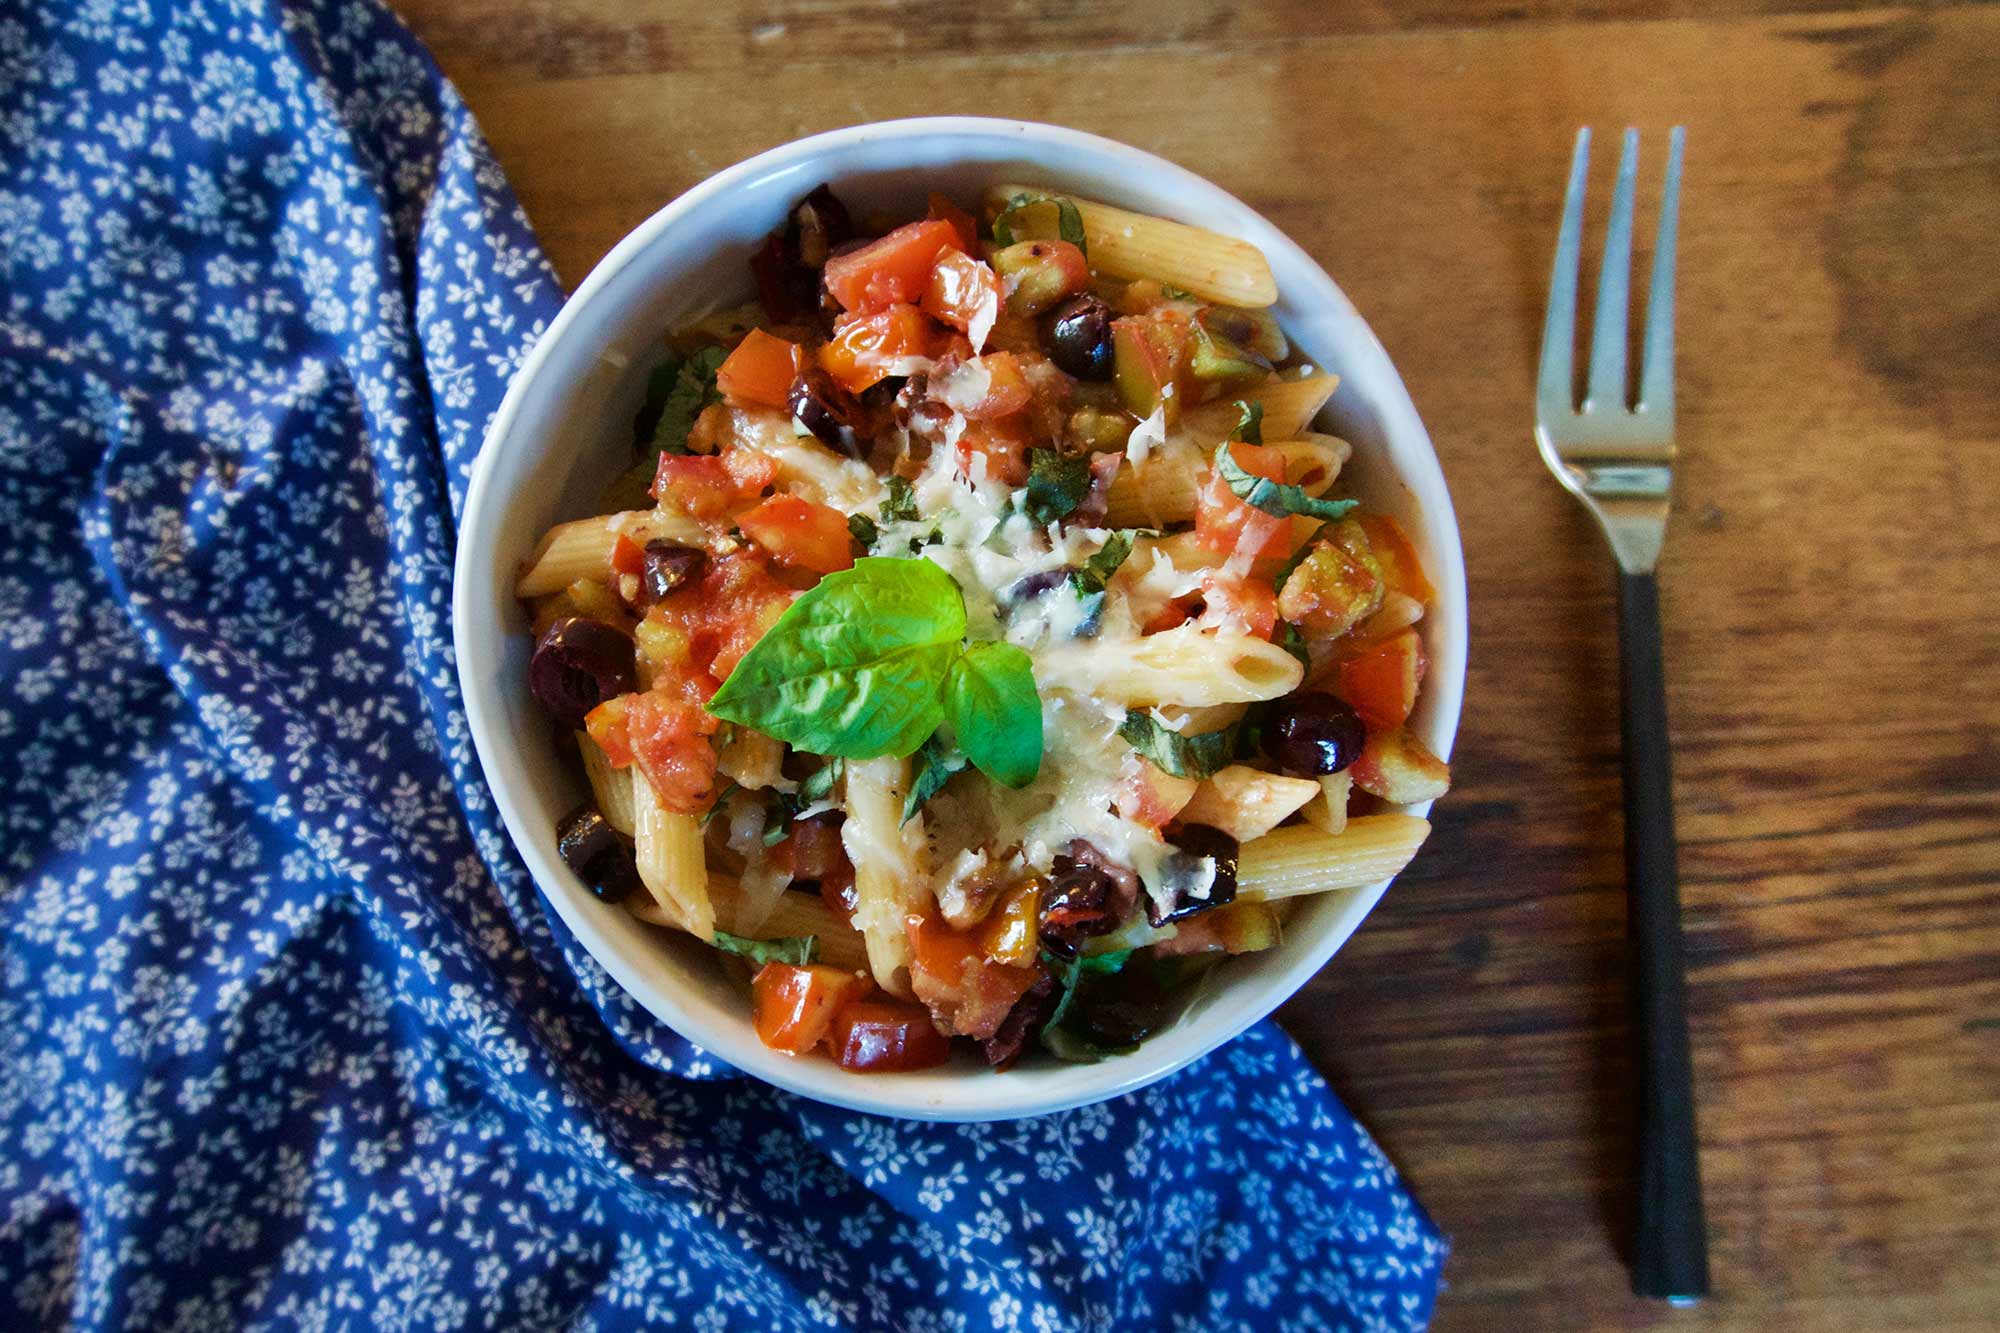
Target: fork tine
1555, 395
1614, 283
1656, 389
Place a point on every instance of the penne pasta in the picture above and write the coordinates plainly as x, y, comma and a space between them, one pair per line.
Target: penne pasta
1289, 408
672, 860
1247, 803
1185, 666
890, 881
582, 550
1164, 488
795, 914
611, 787
1207, 264
753, 761
1301, 859
1327, 812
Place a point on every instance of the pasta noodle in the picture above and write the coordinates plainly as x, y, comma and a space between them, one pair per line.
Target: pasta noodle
1289, 408
1184, 665
611, 786
1327, 812
795, 914
1136, 245
1247, 803
888, 856
1164, 488
672, 860
1301, 859
582, 550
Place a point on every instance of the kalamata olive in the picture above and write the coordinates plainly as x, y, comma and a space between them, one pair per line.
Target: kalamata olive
578, 664
819, 222
670, 566
1077, 335
819, 405
1187, 884
1034, 585
1087, 898
1023, 1021
1312, 734
601, 856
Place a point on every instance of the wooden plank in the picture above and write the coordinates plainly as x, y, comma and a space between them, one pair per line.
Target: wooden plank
1829, 595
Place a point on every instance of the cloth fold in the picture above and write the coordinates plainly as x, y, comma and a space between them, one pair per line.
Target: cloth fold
286, 1034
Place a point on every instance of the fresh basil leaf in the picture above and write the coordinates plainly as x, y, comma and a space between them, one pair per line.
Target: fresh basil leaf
729, 788
862, 528
1056, 1037
1294, 643
1040, 217
798, 950
856, 666
991, 700
1249, 422
1198, 756
1275, 498
936, 762
676, 393
818, 785
901, 506
1056, 485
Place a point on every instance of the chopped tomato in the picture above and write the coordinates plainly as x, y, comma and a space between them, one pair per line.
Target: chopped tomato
709, 487
1381, 680
1401, 569
795, 1006
800, 533
892, 270
886, 1037
723, 614
1004, 443
962, 222
866, 347
760, 371
1152, 796
1248, 605
962, 292
984, 387
968, 992
1225, 524
627, 556
666, 734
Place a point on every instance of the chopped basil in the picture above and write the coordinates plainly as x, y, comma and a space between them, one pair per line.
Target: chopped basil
1275, 498
677, 391
1197, 756
1034, 217
936, 762
1056, 485
1249, 422
798, 950
862, 528
901, 506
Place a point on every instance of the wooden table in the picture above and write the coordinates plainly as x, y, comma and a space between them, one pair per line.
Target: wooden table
1829, 583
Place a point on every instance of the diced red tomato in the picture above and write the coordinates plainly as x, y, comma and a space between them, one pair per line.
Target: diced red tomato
760, 371
967, 991
886, 1037
1248, 605
1152, 796
794, 1007
962, 223
1003, 441
962, 292
724, 613
1396, 766
892, 270
1381, 680
1401, 569
627, 556
984, 388
709, 487
800, 533
867, 346
1225, 524
666, 734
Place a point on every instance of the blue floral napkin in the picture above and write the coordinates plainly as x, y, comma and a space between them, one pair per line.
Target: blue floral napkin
289, 1039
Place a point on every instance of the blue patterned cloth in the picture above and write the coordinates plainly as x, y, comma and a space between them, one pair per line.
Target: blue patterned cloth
286, 1036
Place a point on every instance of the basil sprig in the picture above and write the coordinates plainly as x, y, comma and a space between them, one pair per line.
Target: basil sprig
1201, 755
873, 659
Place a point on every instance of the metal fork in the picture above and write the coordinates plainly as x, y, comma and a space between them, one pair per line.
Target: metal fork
1618, 460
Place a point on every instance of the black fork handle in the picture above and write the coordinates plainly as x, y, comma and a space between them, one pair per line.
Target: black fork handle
1670, 1252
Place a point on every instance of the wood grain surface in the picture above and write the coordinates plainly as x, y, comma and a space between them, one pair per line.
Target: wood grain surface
1829, 583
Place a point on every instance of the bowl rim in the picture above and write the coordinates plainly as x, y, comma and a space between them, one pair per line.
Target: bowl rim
986, 1098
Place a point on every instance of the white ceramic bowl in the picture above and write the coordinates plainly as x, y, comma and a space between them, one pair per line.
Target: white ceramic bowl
564, 429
